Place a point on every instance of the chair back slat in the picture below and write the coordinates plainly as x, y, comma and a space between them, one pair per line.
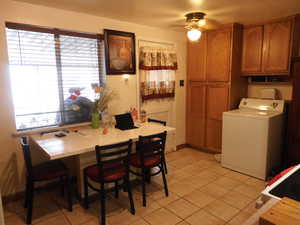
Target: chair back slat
26, 155
113, 157
114, 152
151, 145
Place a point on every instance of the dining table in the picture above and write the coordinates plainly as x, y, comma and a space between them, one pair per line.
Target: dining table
79, 143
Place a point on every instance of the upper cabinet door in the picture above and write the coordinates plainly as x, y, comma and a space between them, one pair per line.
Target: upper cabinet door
196, 55
277, 41
218, 55
252, 50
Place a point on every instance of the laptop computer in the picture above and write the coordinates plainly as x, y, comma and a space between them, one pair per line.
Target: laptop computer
124, 121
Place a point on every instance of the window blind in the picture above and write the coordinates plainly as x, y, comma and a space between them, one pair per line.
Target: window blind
52, 76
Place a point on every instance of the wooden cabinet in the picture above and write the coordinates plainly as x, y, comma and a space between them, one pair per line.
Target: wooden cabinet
196, 113
218, 55
277, 45
214, 85
196, 56
252, 49
213, 140
217, 101
268, 48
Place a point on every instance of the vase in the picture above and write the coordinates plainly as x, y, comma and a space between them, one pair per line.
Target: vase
96, 120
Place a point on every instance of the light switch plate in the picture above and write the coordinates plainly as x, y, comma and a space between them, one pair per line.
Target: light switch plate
181, 83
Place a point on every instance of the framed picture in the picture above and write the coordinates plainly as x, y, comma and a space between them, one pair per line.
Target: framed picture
119, 52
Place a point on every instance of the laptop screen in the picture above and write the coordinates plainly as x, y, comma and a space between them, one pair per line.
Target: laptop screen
124, 121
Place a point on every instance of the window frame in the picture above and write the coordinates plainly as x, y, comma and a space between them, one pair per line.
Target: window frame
57, 32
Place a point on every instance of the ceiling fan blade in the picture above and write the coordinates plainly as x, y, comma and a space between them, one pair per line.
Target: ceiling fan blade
211, 24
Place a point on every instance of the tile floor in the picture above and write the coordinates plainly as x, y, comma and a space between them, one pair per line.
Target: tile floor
201, 193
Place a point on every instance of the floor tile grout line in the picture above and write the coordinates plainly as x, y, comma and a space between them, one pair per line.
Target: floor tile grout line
219, 217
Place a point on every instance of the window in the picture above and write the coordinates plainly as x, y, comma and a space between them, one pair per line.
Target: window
53, 73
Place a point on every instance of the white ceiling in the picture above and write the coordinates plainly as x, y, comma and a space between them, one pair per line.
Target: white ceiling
169, 13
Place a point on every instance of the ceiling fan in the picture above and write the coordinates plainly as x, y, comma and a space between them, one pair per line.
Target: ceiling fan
194, 24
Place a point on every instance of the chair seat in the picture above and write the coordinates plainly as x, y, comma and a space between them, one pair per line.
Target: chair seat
49, 170
148, 161
110, 175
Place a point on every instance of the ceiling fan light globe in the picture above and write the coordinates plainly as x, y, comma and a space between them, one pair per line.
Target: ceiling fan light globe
194, 34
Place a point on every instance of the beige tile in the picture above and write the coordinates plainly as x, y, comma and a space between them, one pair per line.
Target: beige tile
237, 176
14, 220
179, 163
250, 208
256, 182
124, 218
43, 211
207, 174
79, 215
143, 211
181, 189
199, 198
162, 217
214, 190
219, 169
204, 163
57, 220
183, 223
167, 200
197, 182
227, 183
93, 222
140, 222
250, 191
204, 218
221, 210
182, 208
193, 169
239, 219
13, 208
236, 199
156, 195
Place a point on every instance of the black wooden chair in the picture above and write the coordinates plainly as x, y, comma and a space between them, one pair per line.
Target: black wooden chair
149, 154
50, 170
165, 124
112, 167
157, 121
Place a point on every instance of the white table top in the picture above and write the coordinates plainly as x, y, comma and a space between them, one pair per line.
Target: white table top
87, 138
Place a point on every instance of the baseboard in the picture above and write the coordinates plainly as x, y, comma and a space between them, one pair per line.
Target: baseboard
178, 147
12, 197
211, 151
20, 195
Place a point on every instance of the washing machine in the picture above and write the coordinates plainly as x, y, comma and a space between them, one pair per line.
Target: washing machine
252, 137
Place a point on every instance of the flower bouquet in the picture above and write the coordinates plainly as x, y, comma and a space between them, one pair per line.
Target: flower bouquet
103, 95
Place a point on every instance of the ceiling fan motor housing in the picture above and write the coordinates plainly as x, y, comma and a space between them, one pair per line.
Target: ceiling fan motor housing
194, 16
192, 20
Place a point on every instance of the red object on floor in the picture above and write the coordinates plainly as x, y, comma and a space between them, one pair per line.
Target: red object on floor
278, 176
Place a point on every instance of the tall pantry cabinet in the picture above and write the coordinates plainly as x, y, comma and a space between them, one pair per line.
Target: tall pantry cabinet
214, 84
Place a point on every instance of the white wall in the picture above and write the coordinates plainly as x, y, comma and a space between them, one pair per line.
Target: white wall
10, 157
284, 91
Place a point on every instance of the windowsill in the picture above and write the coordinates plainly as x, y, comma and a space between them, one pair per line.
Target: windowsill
39, 130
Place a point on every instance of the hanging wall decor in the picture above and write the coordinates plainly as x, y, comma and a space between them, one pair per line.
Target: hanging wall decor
157, 72
119, 52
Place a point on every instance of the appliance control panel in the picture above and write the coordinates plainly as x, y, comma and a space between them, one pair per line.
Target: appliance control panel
262, 104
